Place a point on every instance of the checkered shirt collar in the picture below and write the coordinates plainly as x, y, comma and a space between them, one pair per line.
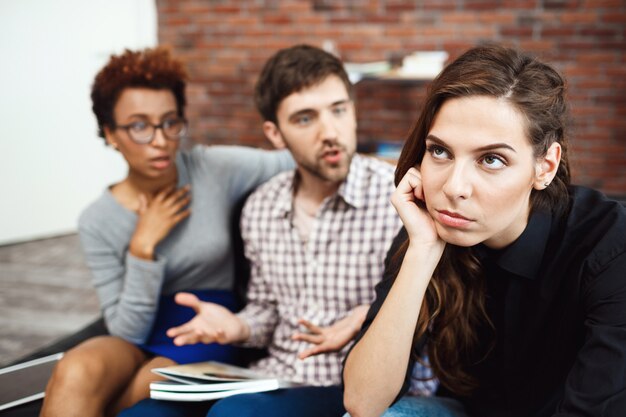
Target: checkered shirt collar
353, 191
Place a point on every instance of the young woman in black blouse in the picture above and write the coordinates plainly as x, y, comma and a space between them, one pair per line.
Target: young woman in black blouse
513, 281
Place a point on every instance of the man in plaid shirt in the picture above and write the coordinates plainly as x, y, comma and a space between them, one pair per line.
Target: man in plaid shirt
316, 239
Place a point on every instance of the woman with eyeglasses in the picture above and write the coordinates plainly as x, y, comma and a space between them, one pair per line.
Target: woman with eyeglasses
164, 228
511, 279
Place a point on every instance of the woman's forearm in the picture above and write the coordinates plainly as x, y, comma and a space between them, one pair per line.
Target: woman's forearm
376, 368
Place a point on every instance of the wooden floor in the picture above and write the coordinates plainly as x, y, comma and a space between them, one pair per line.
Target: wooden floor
45, 294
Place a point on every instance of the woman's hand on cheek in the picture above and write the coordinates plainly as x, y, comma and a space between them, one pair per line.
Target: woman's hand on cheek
408, 200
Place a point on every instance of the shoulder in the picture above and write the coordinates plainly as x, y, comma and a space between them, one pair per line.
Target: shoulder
97, 212
370, 181
374, 167
596, 227
273, 189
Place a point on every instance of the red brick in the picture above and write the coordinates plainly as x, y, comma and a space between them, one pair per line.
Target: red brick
578, 17
560, 4
276, 19
226, 8
614, 17
602, 4
459, 18
519, 4
558, 31
498, 18
429, 5
481, 4
516, 31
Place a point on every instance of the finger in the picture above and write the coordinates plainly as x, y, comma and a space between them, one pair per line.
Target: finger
180, 205
180, 217
186, 339
179, 330
220, 336
143, 203
310, 326
188, 300
410, 187
310, 338
164, 193
310, 352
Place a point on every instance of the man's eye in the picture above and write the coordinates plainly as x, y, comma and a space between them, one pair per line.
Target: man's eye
339, 110
304, 120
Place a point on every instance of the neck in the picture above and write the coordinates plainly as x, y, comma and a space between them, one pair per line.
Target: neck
151, 186
314, 189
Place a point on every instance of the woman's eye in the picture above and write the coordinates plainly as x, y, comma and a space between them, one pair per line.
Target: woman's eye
493, 162
438, 152
138, 126
171, 123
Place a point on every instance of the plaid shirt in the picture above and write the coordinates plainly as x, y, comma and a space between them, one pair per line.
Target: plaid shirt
321, 281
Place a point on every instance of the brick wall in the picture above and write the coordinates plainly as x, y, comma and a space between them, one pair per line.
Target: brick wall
225, 43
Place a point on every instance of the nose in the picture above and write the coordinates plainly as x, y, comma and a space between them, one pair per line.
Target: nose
158, 140
458, 184
328, 127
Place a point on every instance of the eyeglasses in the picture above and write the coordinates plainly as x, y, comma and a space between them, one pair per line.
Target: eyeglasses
142, 132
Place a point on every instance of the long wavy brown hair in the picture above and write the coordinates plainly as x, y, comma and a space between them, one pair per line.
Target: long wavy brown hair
454, 304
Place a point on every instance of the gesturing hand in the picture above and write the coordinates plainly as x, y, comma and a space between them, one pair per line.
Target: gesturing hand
331, 338
212, 323
157, 218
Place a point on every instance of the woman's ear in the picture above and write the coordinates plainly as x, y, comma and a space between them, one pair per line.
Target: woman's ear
546, 167
108, 136
272, 132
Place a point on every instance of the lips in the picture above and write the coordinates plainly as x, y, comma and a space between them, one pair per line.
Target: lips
451, 219
161, 162
332, 156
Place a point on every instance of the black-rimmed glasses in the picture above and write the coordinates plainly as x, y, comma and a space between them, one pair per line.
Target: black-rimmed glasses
142, 131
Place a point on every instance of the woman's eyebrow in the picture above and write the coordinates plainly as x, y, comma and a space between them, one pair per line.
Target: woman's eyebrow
489, 147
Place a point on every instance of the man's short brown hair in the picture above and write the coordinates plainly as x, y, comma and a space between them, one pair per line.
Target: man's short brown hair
290, 70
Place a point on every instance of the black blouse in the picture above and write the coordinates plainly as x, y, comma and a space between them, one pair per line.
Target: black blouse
557, 298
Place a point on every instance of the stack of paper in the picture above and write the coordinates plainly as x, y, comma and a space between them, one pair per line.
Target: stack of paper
209, 381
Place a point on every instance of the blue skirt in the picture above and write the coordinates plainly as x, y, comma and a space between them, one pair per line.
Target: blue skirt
170, 314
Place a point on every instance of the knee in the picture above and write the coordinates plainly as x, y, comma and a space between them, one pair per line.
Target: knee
77, 370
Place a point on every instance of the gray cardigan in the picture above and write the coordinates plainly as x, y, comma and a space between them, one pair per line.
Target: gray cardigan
197, 254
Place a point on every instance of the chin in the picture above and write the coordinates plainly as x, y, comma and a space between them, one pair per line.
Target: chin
461, 238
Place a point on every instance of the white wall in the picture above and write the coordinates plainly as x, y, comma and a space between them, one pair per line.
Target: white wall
52, 164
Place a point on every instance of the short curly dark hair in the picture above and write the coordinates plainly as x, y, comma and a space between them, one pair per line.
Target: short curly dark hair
290, 70
152, 68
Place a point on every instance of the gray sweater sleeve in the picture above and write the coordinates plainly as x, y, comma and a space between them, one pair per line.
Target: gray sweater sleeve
128, 287
241, 168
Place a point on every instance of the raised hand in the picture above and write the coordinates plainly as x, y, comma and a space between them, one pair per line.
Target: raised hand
157, 217
212, 323
408, 200
331, 338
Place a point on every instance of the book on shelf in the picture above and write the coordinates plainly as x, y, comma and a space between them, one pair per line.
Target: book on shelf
210, 380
